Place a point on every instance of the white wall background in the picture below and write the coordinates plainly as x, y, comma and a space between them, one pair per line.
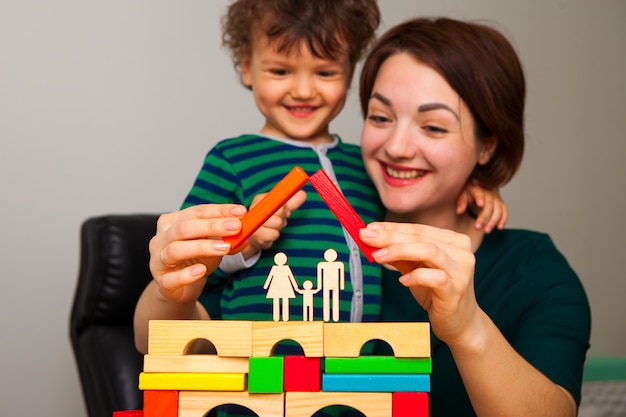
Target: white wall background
110, 106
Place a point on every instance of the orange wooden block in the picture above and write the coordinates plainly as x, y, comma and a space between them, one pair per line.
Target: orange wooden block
160, 403
341, 208
273, 201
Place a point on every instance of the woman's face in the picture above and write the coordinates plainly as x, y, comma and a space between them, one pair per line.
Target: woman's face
418, 139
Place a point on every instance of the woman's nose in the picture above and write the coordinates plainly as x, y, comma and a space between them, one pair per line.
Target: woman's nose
401, 143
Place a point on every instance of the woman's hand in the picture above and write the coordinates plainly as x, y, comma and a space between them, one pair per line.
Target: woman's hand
437, 266
188, 246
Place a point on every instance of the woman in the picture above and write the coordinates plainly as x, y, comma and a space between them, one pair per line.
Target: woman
444, 103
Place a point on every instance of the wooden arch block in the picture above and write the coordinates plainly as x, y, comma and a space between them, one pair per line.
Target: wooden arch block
408, 340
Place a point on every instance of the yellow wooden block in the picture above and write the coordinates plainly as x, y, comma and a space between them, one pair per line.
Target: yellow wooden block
186, 381
195, 363
309, 334
408, 340
198, 403
305, 404
174, 337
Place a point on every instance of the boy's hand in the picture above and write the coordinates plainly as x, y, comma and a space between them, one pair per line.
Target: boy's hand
267, 234
493, 211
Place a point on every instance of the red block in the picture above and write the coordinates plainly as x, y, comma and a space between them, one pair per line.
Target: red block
302, 374
128, 413
160, 403
342, 209
409, 404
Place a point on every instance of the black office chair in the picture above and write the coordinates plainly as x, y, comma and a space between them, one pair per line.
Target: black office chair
113, 273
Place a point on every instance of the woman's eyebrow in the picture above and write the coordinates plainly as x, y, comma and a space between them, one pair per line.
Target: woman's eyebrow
421, 109
437, 106
381, 98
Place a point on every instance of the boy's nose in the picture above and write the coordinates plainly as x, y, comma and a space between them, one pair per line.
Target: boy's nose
303, 88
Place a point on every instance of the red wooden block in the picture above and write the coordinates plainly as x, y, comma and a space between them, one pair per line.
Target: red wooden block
302, 374
160, 403
128, 413
274, 200
409, 404
341, 208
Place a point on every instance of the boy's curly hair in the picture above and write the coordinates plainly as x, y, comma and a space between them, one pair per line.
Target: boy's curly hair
325, 25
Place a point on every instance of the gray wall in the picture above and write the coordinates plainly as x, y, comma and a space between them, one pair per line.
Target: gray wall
110, 106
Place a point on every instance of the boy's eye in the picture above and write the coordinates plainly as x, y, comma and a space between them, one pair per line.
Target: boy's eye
326, 73
279, 71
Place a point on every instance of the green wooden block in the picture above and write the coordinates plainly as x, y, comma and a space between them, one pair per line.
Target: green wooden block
378, 365
265, 375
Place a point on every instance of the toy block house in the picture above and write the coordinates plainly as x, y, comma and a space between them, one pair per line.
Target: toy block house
244, 371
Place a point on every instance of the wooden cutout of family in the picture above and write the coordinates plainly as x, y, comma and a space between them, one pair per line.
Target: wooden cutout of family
281, 285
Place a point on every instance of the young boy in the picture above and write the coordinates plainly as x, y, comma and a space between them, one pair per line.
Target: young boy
298, 59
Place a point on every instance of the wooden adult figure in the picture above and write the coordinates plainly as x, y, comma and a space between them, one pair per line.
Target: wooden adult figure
330, 277
280, 285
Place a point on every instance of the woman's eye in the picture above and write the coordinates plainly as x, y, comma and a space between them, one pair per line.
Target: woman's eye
376, 119
435, 129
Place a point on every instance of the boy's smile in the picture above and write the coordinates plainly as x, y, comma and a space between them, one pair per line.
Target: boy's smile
298, 93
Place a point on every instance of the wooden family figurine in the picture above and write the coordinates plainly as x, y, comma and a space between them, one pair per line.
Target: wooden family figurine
281, 286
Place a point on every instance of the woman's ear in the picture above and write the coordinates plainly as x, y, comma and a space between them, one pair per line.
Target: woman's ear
489, 146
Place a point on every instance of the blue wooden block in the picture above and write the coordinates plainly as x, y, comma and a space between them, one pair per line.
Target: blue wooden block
376, 383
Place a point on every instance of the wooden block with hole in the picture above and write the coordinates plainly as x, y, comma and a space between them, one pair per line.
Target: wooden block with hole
305, 404
195, 363
266, 334
174, 337
408, 340
199, 403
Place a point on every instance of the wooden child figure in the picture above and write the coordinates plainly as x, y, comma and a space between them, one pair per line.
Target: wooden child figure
307, 292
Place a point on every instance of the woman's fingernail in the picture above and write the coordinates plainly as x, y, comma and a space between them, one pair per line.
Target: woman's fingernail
231, 225
221, 246
238, 211
380, 252
368, 232
198, 270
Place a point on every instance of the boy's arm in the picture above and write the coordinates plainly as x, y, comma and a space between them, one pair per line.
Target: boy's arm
493, 212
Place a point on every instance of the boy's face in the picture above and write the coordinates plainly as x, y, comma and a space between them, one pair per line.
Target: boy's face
298, 93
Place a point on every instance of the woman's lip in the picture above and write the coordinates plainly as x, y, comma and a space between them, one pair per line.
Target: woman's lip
401, 176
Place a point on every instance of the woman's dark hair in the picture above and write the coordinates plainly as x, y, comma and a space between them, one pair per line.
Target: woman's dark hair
481, 65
